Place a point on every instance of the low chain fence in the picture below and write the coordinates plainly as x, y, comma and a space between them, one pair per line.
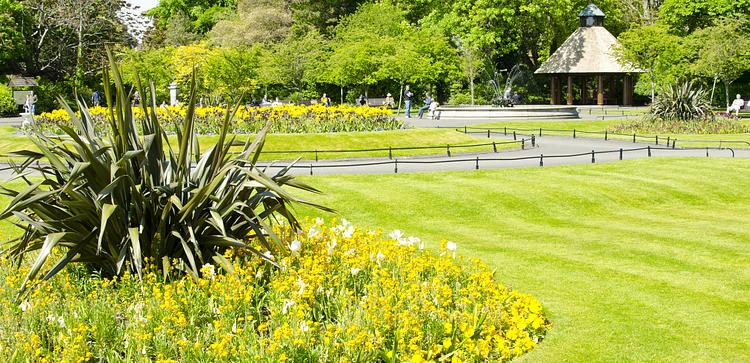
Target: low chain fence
668, 141
621, 152
448, 149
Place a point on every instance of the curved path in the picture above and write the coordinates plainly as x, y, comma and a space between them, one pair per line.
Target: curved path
549, 151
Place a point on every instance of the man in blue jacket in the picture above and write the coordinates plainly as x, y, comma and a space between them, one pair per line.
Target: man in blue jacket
427, 102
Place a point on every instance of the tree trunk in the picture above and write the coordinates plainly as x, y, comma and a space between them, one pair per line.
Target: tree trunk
79, 57
400, 96
726, 91
713, 87
653, 86
471, 88
342, 94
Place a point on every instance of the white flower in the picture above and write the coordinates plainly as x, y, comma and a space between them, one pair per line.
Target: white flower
396, 235
303, 326
348, 232
355, 271
61, 321
25, 306
268, 255
416, 241
332, 245
295, 246
208, 271
380, 256
312, 232
301, 285
451, 246
287, 305
319, 221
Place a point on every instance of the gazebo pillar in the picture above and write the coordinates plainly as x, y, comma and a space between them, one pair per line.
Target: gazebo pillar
570, 90
627, 90
600, 90
554, 98
584, 96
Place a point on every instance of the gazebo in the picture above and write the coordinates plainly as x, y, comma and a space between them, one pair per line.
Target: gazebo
589, 53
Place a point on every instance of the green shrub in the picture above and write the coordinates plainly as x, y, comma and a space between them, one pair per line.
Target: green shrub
7, 104
682, 102
118, 201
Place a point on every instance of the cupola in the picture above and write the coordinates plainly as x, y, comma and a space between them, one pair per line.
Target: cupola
591, 16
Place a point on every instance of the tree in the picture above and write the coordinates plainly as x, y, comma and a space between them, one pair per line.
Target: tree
723, 51
232, 72
298, 60
646, 47
686, 16
257, 21
12, 45
151, 65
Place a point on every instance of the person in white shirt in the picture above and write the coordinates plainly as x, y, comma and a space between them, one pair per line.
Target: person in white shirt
736, 105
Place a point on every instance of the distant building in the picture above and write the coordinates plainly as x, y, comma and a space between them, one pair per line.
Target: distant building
589, 53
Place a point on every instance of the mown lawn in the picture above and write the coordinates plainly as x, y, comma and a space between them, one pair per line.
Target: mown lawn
327, 141
643, 260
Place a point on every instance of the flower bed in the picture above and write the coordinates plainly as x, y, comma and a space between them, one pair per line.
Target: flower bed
284, 119
653, 125
343, 294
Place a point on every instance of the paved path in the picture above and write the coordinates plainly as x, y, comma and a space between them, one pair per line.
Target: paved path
549, 152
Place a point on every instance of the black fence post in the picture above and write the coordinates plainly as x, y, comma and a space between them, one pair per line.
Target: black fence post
593, 156
523, 144
464, 129
606, 136
668, 139
494, 146
505, 131
674, 142
533, 141
540, 132
574, 133
395, 170
657, 139
620, 153
488, 133
541, 159
316, 155
311, 167
634, 138
706, 151
649, 151
477, 167
448, 149
390, 152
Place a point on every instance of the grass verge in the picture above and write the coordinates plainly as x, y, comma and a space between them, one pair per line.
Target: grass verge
9, 141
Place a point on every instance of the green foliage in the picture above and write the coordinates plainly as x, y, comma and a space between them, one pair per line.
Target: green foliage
116, 202
153, 65
7, 104
256, 21
723, 51
701, 126
686, 16
682, 102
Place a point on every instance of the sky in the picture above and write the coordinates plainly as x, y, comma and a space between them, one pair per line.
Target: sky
144, 4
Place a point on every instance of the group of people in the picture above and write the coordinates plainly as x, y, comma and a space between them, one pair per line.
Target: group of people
30, 104
429, 103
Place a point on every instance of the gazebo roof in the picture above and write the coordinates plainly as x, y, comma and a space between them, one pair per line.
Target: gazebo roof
19, 81
589, 50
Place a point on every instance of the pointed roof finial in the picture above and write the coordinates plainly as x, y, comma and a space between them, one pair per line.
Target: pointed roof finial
591, 10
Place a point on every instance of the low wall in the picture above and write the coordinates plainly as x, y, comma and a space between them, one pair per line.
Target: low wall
522, 112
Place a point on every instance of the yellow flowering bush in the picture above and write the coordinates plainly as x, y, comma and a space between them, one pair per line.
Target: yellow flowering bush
341, 294
284, 118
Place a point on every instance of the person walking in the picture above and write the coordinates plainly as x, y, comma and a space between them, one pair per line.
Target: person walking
96, 98
408, 94
427, 102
